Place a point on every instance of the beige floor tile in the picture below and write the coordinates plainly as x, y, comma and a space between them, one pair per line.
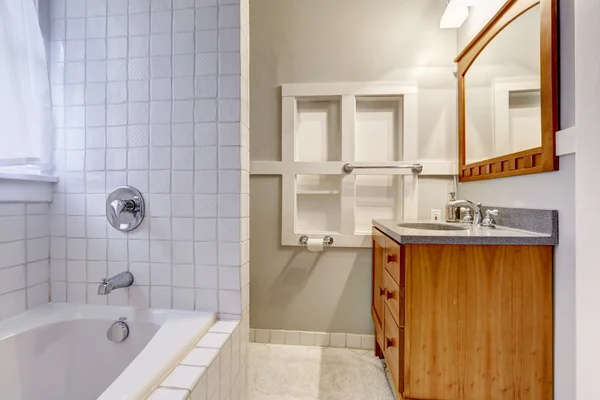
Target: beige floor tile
308, 373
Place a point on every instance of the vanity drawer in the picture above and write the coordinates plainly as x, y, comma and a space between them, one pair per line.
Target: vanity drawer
394, 260
394, 298
394, 350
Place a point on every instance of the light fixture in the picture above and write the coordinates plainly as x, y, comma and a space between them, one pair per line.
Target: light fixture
455, 15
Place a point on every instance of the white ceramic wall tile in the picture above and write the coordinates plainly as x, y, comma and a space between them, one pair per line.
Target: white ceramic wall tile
319, 339
213, 377
169, 394
368, 342
225, 327
353, 341
307, 338
292, 337
199, 392
24, 261
262, 335
201, 357
213, 373
143, 85
337, 340
213, 340
184, 377
277, 337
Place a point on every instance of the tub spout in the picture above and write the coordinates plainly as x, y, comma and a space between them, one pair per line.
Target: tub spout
122, 280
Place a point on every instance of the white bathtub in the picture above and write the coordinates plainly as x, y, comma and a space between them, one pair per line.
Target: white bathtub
61, 352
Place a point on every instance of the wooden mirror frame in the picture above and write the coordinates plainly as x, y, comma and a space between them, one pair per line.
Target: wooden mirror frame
532, 161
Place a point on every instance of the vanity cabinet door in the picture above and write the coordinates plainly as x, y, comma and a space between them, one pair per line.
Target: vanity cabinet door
394, 260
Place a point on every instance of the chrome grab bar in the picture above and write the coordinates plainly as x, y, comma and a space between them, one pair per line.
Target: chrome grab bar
416, 168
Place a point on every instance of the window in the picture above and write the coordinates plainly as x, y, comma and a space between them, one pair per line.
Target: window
26, 113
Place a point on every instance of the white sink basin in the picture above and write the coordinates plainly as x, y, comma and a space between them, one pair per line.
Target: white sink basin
431, 226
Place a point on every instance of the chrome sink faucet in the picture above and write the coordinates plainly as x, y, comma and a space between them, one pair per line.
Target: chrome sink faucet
119, 281
478, 218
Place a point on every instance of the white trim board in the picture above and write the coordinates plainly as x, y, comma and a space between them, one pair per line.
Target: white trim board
348, 88
26, 191
566, 141
319, 339
517, 83
435, 168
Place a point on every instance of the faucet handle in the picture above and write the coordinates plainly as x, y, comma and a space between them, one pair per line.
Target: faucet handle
467, 219
488, 221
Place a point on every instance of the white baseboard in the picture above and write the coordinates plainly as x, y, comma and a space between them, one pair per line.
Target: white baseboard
320, 339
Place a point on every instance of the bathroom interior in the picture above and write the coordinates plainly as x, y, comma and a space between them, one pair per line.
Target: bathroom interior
406, 171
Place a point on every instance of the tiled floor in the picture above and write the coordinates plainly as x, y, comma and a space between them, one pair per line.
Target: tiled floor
280, 372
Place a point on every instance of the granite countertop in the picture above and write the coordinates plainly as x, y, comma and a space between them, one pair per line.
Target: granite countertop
474, 235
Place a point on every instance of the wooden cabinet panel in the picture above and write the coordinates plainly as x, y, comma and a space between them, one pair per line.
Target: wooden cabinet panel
379, 334
394, 350
507, 316
478, 322
394, 298
394, 260
379, 237
378, 291
432, 325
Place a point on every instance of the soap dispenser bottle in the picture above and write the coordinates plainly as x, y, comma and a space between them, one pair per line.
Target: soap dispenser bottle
452, 212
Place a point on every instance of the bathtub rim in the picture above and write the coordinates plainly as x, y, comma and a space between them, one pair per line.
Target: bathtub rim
178, 332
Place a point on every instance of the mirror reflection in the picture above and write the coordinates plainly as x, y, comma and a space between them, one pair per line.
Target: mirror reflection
502, 92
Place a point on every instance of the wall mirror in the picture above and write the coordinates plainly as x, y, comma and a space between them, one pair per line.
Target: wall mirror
507, 85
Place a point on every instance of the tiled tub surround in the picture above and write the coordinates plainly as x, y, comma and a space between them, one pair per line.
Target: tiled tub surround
153, 94
60, 351
215, 369
24, 257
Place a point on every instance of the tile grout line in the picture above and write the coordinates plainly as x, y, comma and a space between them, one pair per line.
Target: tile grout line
194, 172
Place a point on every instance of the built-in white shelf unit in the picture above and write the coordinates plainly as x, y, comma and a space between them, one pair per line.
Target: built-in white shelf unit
327, 125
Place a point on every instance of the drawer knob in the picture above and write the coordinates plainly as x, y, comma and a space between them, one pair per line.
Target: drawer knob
389, 342
382, 291
389, 294
391, 258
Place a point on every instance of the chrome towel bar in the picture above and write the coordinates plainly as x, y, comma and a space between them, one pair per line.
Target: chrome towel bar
416, 168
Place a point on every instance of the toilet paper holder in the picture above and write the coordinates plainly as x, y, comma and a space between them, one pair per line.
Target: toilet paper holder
327, 240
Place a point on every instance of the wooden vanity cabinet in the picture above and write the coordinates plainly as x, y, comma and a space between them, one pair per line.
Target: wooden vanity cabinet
464, 322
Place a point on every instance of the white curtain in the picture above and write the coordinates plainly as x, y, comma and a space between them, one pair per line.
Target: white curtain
25, 106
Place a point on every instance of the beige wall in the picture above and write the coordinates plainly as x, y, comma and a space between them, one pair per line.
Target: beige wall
296, 41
